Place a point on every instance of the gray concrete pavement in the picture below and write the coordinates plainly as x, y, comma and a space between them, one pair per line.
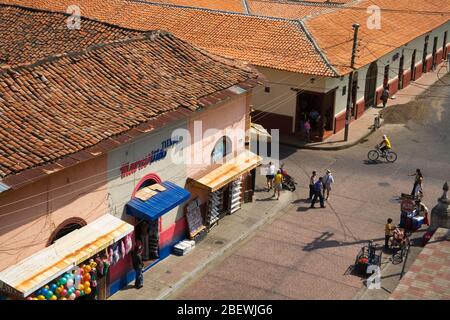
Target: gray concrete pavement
305, 253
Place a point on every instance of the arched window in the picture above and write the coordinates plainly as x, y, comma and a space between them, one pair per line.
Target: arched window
65, 228
222, 148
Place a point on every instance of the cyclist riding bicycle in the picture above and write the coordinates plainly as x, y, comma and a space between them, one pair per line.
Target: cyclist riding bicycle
385, 145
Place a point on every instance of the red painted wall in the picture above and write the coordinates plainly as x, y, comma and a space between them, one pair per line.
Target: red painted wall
439, 56
429, 64
393, 86
406, 78
174, 232
418, 71
378, 93
273, 121
339, 123
359, 108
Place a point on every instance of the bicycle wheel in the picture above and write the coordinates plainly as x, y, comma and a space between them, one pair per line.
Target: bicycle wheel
391, 157
373, 155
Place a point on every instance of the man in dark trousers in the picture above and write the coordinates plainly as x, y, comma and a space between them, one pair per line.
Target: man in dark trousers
138, 265
385, 96
318, 193
312, 181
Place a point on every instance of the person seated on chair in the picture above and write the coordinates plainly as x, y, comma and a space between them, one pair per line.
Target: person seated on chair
385, 145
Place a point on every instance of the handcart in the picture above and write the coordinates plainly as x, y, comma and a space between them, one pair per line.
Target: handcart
367, 258
399, 243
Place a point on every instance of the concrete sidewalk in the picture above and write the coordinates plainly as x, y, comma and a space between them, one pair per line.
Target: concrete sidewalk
174, 272
363, 127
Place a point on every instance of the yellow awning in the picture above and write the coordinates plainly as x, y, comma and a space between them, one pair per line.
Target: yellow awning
217, 176
66, 253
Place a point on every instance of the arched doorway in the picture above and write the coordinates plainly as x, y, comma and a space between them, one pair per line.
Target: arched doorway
371, 86
65, 228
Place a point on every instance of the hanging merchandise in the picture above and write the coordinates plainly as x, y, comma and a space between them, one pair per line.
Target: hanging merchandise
71, 285
128, 244
215, 207
235, 196
153, 239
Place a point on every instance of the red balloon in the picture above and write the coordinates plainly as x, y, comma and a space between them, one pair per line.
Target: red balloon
77, 293
63, 292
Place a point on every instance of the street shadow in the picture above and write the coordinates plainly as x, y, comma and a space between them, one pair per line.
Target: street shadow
128, 287
303, 209
323, 242
261, 189
370, 162
271, 198
301, 201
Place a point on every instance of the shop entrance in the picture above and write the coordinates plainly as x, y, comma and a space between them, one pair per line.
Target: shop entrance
318, 109
434, 52
424, 56
371, 84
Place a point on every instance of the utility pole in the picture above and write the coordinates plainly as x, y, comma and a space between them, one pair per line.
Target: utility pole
350, 80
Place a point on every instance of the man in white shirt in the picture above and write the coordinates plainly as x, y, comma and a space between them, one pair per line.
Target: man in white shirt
270, 175
328, 180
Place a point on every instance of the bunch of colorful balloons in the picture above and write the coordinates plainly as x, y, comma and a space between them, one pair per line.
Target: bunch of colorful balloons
71, 285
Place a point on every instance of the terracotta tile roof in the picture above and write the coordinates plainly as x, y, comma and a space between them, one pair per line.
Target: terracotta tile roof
223, 5
268, 42
62, 105
289, 9
28, 35
399, 25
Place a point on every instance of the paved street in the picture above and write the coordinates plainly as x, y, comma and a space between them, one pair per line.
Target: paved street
305, 253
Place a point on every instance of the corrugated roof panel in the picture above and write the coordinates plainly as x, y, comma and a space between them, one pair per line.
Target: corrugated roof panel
158, 204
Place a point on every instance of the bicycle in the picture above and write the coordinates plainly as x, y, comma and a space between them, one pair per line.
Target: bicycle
376, 153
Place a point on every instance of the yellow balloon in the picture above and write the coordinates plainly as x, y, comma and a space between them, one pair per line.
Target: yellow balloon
81, 287
86, 284
47, 287
53, 298
35, 299
87, 269
87, 290
41, 297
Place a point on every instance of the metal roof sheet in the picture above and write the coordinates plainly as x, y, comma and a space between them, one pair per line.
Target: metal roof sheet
159, 204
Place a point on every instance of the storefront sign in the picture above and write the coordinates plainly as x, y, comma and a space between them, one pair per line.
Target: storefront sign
407, 205
158, 154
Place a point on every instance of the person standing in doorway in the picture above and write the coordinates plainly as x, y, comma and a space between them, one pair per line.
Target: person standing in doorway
138, 265
328, 180
318, 193
388, 232
312, 181
307, 131
270, 175
385, 96
278, 184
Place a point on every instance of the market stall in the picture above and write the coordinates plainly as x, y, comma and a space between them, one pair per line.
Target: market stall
148, 205
76, 266
226, 185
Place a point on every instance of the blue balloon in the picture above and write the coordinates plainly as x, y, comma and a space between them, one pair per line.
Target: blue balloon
53, 287
49, 294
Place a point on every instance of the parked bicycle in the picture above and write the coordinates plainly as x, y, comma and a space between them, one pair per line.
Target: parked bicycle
376, 153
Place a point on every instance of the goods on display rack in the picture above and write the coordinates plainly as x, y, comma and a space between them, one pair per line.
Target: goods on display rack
410, 218
194, 219
80, 282
215, 207
235, 196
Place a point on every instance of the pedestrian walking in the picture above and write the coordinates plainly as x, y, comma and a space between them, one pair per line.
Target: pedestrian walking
138, 265
388, 229
270, 175
418, 183
278, 184
312, 181
385, 96
328, 180
318, 193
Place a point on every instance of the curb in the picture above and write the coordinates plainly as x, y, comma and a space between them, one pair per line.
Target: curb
345, 146
184, 280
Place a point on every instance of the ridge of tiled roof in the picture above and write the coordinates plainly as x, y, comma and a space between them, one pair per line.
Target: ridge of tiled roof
265, 41
399, 26
29, 34
102, 96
